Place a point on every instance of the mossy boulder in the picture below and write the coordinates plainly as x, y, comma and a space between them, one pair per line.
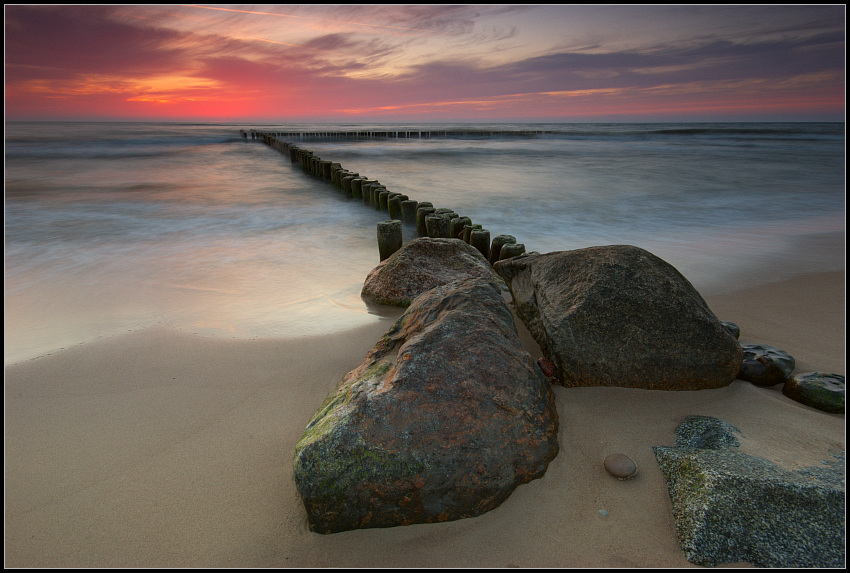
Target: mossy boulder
444, 418
817, 389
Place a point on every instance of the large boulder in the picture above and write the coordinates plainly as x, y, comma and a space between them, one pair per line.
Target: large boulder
421, 265
444, 418
731, 507
620, 316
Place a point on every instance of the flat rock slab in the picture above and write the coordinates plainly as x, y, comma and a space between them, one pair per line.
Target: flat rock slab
731, 507
620, 316
444, 418
817, 389
765, 365
421, 265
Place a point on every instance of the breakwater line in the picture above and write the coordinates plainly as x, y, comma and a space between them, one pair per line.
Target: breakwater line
428, 220
360, 135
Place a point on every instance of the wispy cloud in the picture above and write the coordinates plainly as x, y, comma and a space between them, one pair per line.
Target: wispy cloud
423, 60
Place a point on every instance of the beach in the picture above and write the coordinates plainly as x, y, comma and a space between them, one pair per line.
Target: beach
160, 448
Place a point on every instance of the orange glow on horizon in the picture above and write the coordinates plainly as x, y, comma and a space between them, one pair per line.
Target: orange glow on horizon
478, 62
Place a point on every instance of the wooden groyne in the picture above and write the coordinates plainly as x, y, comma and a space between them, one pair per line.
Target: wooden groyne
428, 220
357, 135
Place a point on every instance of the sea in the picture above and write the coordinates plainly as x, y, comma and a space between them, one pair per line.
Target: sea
116, 227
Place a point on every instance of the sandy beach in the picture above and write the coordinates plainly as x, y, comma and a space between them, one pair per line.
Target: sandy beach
162, 449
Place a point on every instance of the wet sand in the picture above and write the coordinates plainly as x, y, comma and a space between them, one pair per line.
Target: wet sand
162, 449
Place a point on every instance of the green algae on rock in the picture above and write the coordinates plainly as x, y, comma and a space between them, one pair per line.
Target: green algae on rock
444, 418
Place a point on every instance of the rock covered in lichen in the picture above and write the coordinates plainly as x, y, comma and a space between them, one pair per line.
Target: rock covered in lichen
733, 507
444, 418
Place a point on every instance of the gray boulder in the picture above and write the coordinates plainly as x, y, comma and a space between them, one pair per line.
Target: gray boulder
731, 507
421, 265
444, 418
620, 316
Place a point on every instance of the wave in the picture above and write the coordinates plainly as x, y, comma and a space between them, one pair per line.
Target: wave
23, 147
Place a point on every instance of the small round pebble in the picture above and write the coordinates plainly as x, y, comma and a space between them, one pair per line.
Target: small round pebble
620, 466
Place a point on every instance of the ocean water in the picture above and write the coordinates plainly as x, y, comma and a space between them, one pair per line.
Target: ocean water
111, 227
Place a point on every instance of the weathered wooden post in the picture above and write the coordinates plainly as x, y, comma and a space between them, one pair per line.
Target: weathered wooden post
467, 232
326, 169
496, 246
382, 199
457, 225
376, 196
511, 250
408, 211
336, 169
480, 239
446, 211
437, 226
421, 212
394, 205
389, 238
346, 184
356, 190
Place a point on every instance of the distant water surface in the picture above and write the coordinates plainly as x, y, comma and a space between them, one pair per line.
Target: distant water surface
112, 227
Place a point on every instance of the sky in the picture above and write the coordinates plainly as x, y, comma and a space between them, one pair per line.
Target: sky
425, 63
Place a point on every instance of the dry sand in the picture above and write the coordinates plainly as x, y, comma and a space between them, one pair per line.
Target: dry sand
161, 449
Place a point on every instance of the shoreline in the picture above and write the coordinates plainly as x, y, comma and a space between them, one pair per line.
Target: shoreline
164, 449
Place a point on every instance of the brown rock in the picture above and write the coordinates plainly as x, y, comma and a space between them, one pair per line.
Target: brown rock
546, 366
421, 265
620, 466
444, 418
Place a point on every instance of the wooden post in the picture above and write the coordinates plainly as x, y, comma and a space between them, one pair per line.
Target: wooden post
457, 225
408, 211
421, 212
480, 239
394, 207
437, 226
389, 238
356, 190
511, 250
467, 232
496, 246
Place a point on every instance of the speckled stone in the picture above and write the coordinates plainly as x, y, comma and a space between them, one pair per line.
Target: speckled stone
818, 390
620, 466
732, 507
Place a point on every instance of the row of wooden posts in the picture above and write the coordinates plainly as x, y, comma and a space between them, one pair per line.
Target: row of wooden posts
394, 134
429, 221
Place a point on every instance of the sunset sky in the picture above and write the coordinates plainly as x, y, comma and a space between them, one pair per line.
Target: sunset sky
422, 63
